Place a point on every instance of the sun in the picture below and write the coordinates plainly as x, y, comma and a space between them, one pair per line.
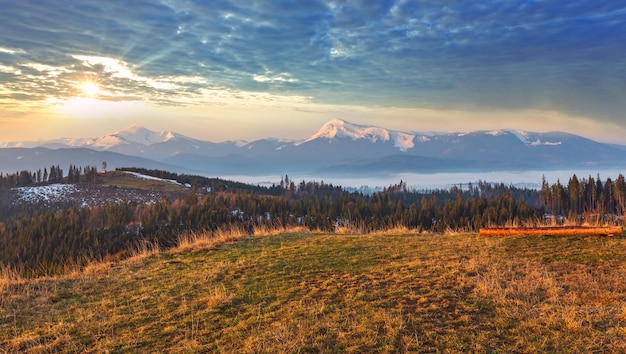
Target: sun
90, 89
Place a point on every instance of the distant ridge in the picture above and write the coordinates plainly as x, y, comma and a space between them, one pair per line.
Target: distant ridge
340, 147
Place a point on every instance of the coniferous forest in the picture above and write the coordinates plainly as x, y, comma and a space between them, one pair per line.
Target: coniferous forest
45, 239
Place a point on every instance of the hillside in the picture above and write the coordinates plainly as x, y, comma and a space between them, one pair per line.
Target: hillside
331, 293
118, 186
109, 187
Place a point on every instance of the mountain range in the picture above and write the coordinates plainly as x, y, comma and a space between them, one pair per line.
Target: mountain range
337, 148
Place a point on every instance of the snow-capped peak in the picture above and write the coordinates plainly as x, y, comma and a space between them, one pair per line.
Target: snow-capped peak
141, 135
338, 128
134, 135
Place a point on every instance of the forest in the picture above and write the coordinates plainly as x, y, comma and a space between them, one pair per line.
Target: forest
40, 240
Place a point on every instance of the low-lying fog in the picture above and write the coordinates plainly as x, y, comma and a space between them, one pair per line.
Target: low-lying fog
430, 181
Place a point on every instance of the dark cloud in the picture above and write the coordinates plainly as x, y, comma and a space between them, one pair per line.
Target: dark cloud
568, 56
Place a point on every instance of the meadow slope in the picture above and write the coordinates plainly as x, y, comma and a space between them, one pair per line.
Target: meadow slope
299, 292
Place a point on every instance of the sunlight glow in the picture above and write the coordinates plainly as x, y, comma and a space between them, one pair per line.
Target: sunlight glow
85, 108
90, 88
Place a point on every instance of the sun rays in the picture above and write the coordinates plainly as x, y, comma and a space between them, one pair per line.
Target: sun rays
90, 89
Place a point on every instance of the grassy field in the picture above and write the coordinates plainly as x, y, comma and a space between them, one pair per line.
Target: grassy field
298, 292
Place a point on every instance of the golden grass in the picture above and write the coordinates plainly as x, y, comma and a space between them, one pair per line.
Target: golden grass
396, 230
197, 240
206, 239
553, 231
300, 292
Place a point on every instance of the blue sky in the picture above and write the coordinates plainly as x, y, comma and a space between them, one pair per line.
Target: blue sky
222, 70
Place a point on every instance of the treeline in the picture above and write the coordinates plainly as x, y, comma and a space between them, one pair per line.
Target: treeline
54, 174
589, 199
44, 240
204, 183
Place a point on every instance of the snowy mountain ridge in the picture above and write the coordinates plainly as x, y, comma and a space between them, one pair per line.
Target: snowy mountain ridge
526, 137
333, 129
337, 147
135, 135
338, 128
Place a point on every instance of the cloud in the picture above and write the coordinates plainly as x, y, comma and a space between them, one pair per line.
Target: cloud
280, 78
463, 55
11, 51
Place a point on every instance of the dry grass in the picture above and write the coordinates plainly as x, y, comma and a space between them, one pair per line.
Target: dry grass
199, 240
553, 231
297, 292
9, 278
207, 239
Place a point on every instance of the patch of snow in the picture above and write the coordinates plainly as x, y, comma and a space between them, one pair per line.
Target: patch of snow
167, 136
547, 143
423, 139
19, 157
45, 193
431, 134
522, 136
282, 141
61, 142
76, 141
15, 144
82, 195
108, 142
141, 176
404, 141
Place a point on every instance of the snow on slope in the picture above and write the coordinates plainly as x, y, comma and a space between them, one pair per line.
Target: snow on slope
133, 135
71, 142
532, 139
81, 195
403, 141
338, 128
45, 193
150, 178
522, 136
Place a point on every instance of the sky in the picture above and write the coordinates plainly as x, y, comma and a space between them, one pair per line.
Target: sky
244, 70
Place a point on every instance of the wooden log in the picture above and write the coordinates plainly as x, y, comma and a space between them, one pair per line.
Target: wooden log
552, 231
